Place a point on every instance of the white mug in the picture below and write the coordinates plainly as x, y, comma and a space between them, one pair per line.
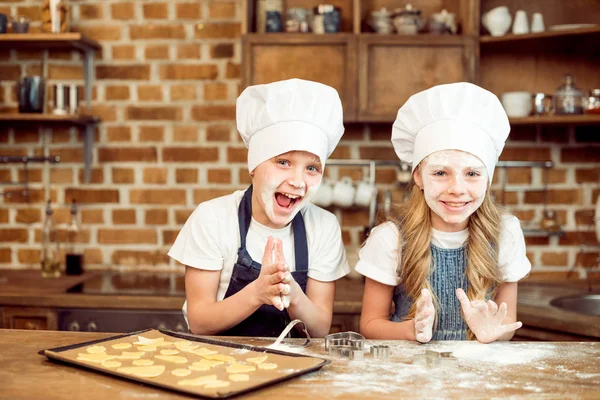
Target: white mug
365, 193
537, 23
324, 196
520, 26
343, 192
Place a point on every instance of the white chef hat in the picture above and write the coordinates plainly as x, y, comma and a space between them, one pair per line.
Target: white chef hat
455, 116
289, 115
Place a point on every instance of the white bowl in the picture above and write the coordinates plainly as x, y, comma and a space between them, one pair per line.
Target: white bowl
497, 21
517, 104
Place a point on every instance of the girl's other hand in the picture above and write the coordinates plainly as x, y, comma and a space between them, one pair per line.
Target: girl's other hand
424, 317
485, 318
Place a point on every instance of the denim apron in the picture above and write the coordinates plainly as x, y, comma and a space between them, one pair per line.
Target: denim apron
267, 321
447, 275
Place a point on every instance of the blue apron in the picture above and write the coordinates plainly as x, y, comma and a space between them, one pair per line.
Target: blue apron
447, 274
267, 321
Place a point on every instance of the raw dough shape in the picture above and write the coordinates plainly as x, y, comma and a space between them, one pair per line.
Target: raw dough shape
186, 346
219, 357
202, 380
121, 346
239, 377
199, 367
96, 349
146, 348
111, 364
257, 360
181, 372
182, 343
267, 366
210, 363
94, 358
237, 368
202, 351
131, 355
151, 371
143, 362
163, 344
216, 384
148, 341
169, 352
173, 359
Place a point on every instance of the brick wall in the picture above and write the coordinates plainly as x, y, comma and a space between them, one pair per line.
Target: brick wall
167, 79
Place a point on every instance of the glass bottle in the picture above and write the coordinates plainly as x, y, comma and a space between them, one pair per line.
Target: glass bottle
51, 265
568, 98
74, 256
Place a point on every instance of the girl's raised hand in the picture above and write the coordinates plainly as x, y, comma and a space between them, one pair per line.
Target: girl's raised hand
485, 318
424, 317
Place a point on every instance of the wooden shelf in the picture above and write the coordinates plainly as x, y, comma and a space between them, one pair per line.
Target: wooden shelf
43, 41
540, 35
309, 38
49, 118
584, 119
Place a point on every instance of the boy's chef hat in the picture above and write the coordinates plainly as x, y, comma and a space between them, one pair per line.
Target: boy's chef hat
289, 115
455, 116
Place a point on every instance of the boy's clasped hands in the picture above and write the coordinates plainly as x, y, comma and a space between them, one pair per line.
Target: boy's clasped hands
275, 284
484, 318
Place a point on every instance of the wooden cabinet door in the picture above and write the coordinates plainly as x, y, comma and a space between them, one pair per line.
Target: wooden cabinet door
29, 318
392, 68
329, 59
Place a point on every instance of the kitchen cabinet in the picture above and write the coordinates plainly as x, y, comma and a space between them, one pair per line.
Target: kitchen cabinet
28, 318
385, 70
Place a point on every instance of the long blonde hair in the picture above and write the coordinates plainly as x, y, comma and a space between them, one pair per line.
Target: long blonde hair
413, 219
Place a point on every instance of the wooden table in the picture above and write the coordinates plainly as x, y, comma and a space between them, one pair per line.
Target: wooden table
499, 370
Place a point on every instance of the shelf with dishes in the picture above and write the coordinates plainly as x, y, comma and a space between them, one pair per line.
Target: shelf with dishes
49, 41
582, 119
568, 32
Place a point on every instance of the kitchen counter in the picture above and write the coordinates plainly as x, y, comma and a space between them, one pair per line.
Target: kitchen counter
498, 370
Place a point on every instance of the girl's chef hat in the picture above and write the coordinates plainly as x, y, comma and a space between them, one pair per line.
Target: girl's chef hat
289, 115
456, 116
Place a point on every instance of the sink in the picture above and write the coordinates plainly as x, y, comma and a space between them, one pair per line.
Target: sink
587, 304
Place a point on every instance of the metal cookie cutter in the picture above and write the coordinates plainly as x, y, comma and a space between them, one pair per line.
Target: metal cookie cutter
436, 359
380, 351
346, 344
285, 333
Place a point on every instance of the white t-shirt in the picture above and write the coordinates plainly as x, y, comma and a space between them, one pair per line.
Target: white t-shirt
379, 257
210, 239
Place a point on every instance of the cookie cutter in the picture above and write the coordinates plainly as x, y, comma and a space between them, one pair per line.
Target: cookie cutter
380, 351
436, 359
346, 344
285, 333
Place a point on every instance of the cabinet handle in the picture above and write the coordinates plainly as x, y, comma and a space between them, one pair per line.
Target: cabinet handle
73, 326
92, 327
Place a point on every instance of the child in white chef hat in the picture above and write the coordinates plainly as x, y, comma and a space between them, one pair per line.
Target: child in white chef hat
449, 259
258, 258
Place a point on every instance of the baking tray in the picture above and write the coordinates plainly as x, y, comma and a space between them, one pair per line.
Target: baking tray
289, 365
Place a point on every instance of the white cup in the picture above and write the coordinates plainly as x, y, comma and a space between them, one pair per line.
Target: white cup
497, 21
365, 193
343, 192
324, 196
517, 104
537, 23
520, 26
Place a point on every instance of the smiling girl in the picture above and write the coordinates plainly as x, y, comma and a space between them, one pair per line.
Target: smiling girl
449, 259
258, 258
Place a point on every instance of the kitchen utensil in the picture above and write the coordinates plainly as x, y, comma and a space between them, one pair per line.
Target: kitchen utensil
60, 99
345, 344
443, 22
327, 19
20, 25
516, 104
520, 25
537, 22
542, 103
593, 101
435, 359
381, 351
381, 21
568, 98
285, 333
324, 196
365, 193
55, 16
497, 21
3, 23
343, 192
407, 20
30, 93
